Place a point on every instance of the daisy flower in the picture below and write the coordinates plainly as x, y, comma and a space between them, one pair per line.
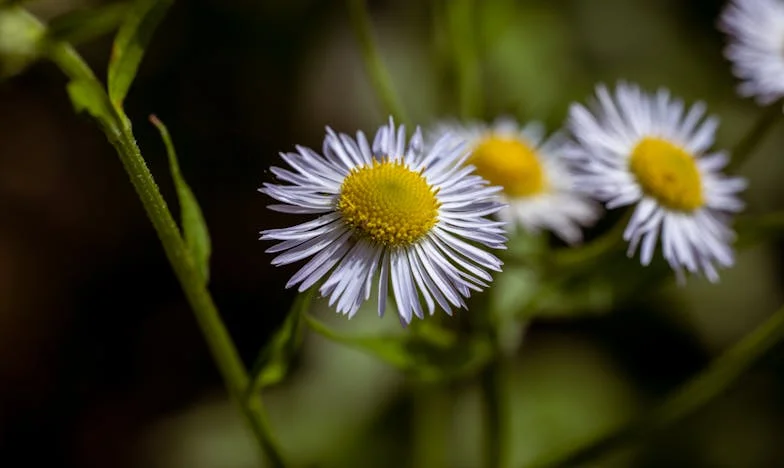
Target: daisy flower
646, 149
538, 186
756, 46
413, 219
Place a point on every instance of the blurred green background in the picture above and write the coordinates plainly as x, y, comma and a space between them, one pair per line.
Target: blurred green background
101, 362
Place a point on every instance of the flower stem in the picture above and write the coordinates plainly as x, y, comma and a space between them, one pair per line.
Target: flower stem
461, 15
118, 131
379, 77
746, 146
495, 442
496, 428
712, 382
753, 229
431, 420
611, 240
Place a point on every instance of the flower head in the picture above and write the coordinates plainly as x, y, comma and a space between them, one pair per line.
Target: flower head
642, 149
537, 183
756, 46
412, 218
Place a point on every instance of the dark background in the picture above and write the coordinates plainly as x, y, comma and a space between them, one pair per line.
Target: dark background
101, 362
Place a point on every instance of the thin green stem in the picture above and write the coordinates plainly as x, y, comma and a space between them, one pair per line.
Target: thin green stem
431, 417
715, 380
602, 245
461, 16
495, 442
496, 431
432, 407
754, 229
119, 133
746, 146
379, 77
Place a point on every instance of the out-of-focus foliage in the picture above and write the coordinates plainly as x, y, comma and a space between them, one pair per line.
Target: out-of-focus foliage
428, 354
133, 37
105, 376
20, 41
82, 25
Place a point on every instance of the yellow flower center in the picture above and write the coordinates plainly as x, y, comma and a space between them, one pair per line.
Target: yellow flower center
667, 173
389, 203
511, 164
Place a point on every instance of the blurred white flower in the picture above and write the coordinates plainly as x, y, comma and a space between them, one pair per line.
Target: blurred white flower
538, 186
414, 216
756, 46
638, 148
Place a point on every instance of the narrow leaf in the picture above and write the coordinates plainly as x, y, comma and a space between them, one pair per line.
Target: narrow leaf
428, 357
129, 45
85, 24
85, 96
195, 232
274, 360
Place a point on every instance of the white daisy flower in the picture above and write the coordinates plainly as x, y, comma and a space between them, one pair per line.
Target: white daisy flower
538, 185
415, 219
644, 149
756, 46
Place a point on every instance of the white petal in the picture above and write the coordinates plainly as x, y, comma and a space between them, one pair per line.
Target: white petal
383, 284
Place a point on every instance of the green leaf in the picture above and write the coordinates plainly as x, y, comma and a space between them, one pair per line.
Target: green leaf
129, 45
85, 96
431, 356
82, 25
274, 361
195, 232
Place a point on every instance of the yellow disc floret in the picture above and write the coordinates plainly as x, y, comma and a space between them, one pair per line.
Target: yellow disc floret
510, 163
388, 202
667, 173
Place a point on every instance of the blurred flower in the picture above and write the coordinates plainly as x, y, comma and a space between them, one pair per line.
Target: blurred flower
641, 148
415, 215
537, 182
756, 46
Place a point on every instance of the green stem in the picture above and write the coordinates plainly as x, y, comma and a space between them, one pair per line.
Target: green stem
602, 245
767, 221
754, 229
491, 384
461, 16
431, 422
379, 78
226, 357
746, 146
496, 424
712, 382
